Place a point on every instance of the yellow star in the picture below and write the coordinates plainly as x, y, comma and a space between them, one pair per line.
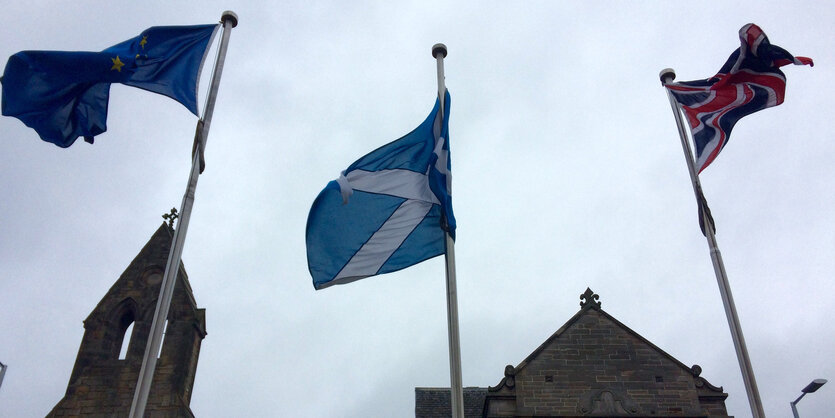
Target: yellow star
117, 64
143, 41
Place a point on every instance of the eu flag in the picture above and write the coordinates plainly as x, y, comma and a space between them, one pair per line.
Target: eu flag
387, 211
64, 95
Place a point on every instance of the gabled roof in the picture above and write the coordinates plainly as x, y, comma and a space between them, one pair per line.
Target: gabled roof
591, 302
435, 402
593, 365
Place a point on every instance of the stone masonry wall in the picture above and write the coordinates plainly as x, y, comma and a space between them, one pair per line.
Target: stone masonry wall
594, 366
101, 384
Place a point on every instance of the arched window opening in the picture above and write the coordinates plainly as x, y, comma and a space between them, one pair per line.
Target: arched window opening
126, 323
126, 341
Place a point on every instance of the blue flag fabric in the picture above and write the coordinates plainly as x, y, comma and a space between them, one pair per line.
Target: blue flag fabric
64, 95
387, 211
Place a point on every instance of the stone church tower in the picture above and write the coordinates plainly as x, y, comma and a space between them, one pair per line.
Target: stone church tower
115, 333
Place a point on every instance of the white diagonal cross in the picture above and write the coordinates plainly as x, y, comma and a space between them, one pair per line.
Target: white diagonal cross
406, 184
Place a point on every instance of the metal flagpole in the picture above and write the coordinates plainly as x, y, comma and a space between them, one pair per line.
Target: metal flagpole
667, 75
456, 388
149, 362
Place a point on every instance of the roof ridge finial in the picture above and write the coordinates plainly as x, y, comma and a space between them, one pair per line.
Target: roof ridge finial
589, 299
170, 217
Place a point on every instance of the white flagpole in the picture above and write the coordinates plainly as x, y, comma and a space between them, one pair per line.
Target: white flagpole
667, 75
149, 362
456, 388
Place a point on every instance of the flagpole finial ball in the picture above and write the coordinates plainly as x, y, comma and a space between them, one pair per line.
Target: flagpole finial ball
230, 16
439, 49
667, 75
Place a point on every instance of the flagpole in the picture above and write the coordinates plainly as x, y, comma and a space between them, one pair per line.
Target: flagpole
668, 75
456, 388
149, 361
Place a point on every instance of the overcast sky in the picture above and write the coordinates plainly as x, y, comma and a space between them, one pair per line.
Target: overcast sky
568, 173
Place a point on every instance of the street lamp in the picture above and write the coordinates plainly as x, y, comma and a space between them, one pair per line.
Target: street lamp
811, 387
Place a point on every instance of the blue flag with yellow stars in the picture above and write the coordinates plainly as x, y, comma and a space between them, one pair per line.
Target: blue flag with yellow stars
64, 95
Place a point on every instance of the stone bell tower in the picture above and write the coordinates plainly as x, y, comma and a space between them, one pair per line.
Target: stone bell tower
115, 333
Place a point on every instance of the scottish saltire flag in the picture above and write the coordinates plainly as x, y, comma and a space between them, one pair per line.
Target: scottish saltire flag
387, 211
749, 81
64, 95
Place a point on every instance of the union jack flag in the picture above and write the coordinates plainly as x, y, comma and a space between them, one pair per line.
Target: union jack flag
749, 81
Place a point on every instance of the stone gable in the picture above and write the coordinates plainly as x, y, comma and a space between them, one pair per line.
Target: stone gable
102, 384
593, 366
596, 366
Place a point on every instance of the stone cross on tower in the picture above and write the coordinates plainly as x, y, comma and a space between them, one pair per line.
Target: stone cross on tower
171, 216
